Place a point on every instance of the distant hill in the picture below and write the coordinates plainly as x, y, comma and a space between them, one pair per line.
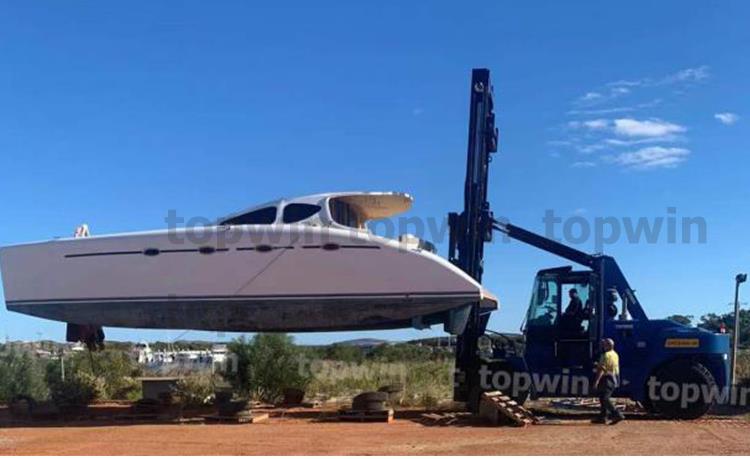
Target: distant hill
363, 342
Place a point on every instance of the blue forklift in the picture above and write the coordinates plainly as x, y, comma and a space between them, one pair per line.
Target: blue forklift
658, 357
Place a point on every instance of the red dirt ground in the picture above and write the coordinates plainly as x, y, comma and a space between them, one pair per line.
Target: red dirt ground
286, 436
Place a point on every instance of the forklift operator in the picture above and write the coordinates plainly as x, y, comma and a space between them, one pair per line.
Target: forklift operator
575, 307
574, 315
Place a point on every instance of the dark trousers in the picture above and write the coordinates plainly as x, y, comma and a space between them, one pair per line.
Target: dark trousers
605, 388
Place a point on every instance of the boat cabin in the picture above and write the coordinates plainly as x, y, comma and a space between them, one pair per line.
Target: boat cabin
338, 210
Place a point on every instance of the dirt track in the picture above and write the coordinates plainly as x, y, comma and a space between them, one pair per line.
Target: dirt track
299, 436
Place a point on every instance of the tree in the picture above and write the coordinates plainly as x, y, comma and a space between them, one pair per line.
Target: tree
713, 322
680, 319
265, 366
344, 353
401, 352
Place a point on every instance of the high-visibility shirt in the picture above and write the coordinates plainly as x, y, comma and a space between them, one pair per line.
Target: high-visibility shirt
609, 363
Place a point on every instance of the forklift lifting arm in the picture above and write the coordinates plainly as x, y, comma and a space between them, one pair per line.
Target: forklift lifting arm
546, 244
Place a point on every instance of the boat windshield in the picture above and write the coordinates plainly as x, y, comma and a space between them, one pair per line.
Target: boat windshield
345, 214
264, 216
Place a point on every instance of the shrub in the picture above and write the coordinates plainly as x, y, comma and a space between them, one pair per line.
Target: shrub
195, 390
21, 375
265, 366
115, 370
428, 383
76, 389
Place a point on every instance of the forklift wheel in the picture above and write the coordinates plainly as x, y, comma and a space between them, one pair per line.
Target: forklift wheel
682, 373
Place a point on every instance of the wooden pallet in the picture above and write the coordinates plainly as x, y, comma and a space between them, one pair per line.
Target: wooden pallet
252, 419
315, 404
496, 406
583, 404
366, 415
443, 419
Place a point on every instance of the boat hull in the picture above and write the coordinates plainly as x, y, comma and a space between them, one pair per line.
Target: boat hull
241, 279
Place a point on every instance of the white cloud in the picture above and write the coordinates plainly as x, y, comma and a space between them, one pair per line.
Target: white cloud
600, 111
687, 75
654, 127
610, 110
727, 118
639, 141
560, 143
652, 158
593, 98
691, 75
589, 96
594, 125
591, 148
613, 122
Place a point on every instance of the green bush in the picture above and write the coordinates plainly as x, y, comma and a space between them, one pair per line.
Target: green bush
265, 366
114, 370
21, 374
76, 389
195, 390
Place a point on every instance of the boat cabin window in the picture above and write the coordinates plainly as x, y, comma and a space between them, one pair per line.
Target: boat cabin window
264, 216
294, 213
344, 214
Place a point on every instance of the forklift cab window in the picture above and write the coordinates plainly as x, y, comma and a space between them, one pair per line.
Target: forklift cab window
576, 321
544, 307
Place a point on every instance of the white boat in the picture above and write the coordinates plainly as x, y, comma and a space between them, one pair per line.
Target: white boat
304, 264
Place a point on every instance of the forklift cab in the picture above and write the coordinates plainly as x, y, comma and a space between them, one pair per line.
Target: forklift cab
559, 333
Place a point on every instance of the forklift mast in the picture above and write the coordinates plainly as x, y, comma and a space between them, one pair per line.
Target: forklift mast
470, 229
473, 227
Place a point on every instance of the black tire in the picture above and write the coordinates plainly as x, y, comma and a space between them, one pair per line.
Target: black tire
370, 401
368, 406
683, 373
371, 397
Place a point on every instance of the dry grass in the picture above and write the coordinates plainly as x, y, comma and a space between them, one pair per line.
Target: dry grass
743, 367
425, 383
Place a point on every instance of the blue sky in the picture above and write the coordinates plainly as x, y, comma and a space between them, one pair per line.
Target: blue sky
115, 113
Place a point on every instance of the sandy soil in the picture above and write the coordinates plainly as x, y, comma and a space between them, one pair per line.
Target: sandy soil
306, 436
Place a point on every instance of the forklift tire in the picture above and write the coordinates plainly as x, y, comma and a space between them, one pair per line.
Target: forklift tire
682, 373
472, 401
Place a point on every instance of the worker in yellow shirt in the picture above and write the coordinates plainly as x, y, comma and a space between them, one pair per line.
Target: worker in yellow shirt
606, 381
